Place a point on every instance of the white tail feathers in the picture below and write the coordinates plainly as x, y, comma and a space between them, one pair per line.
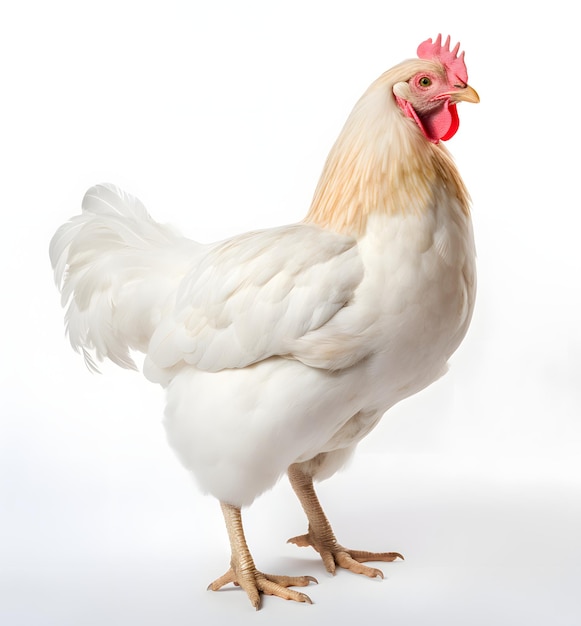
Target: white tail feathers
118, 271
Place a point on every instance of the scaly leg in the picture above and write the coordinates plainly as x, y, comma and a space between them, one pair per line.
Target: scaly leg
243, 572
321, 537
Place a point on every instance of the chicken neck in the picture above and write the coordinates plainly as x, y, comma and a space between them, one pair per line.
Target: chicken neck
382, 163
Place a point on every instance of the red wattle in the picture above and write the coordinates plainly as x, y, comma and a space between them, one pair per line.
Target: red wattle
438, 126
443, 123
454, 123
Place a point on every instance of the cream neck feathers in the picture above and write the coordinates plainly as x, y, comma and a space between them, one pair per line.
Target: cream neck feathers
382, 163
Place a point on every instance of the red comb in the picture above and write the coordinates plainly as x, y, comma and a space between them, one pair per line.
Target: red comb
453, 63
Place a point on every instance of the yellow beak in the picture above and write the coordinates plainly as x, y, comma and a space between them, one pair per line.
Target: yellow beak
464, 94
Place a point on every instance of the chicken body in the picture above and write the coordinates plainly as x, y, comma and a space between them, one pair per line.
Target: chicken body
281, 349
239, 430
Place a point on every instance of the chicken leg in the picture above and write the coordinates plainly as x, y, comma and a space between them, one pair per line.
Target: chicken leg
243, 572
320, 534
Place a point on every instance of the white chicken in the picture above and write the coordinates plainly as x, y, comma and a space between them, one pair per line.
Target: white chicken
281, 349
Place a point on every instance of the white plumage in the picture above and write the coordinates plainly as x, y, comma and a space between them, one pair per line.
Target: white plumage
284, 347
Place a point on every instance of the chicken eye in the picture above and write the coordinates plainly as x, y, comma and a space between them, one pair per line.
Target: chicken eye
425, 81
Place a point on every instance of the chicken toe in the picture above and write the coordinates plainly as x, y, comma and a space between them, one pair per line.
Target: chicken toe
255, 583
243, 572
320, 535
335, 555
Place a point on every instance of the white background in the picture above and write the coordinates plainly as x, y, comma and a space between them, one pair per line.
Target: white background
219, 117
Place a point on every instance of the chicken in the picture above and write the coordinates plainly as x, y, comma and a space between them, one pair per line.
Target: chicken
280, 349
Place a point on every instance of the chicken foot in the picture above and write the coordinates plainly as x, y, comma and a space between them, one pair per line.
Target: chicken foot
243, 572
321, 537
